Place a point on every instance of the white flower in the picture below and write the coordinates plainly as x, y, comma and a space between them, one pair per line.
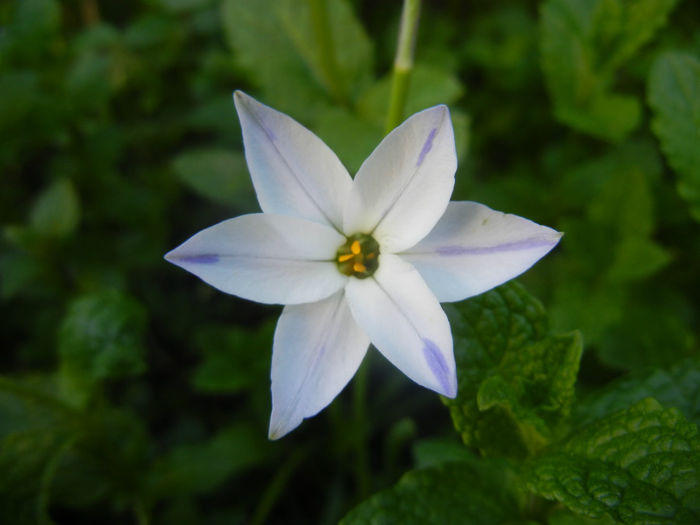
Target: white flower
357, 260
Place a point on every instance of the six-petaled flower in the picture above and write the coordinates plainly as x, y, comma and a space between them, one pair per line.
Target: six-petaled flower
357, 261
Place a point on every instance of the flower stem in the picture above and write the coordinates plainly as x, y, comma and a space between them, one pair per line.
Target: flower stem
326, 50
361, 431
403, 63
277, 485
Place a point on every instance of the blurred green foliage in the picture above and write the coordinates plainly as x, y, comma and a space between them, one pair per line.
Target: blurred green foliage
132, 393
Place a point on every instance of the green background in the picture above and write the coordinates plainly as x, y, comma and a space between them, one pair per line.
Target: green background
131, 392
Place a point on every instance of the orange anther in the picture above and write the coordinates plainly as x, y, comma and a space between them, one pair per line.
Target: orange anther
359, 267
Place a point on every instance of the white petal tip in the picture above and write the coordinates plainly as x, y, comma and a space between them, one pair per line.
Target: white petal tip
274, 436
452, 393
242, 100
279, 429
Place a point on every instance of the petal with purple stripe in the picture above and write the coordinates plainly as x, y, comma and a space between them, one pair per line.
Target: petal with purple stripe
404, 186
266, 258
426, 146
406, 323
474, 248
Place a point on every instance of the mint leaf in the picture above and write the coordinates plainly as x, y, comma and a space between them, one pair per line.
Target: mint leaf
516, 382
677, 387
534, 388
218, 175
563, 516
674, 95
583, 43
639, 22
265, 50
351, 45
477, 492
639, 465
100, 338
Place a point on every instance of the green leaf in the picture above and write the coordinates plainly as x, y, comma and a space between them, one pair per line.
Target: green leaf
677, 387
100, 338
435, 451
674, 95
216, 174
56, 211
644, 18
563, 516
27, 466
608, 116
199, 468
234, 358
636, 258
655, 329
35, 430
583, 43
352, 46
477, 492
640, 465
534, 387
516, 382
265, 50
613, 246
349, 136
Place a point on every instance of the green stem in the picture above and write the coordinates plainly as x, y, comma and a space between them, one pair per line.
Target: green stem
326, 50
359, 398
277, 485
403, 63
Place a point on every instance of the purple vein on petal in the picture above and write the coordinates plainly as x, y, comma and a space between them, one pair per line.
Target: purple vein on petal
438, 366
204, 258
426, 146
526, 244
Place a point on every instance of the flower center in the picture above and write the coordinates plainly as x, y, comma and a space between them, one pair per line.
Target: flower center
359, 256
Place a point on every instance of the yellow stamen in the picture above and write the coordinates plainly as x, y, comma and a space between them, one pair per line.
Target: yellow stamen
346, 257
355, 247
359, 267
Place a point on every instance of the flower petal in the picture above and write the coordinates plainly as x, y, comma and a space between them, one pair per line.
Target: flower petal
404, 186
318, 347
406, 323
293, 171
266, 258
474, 248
